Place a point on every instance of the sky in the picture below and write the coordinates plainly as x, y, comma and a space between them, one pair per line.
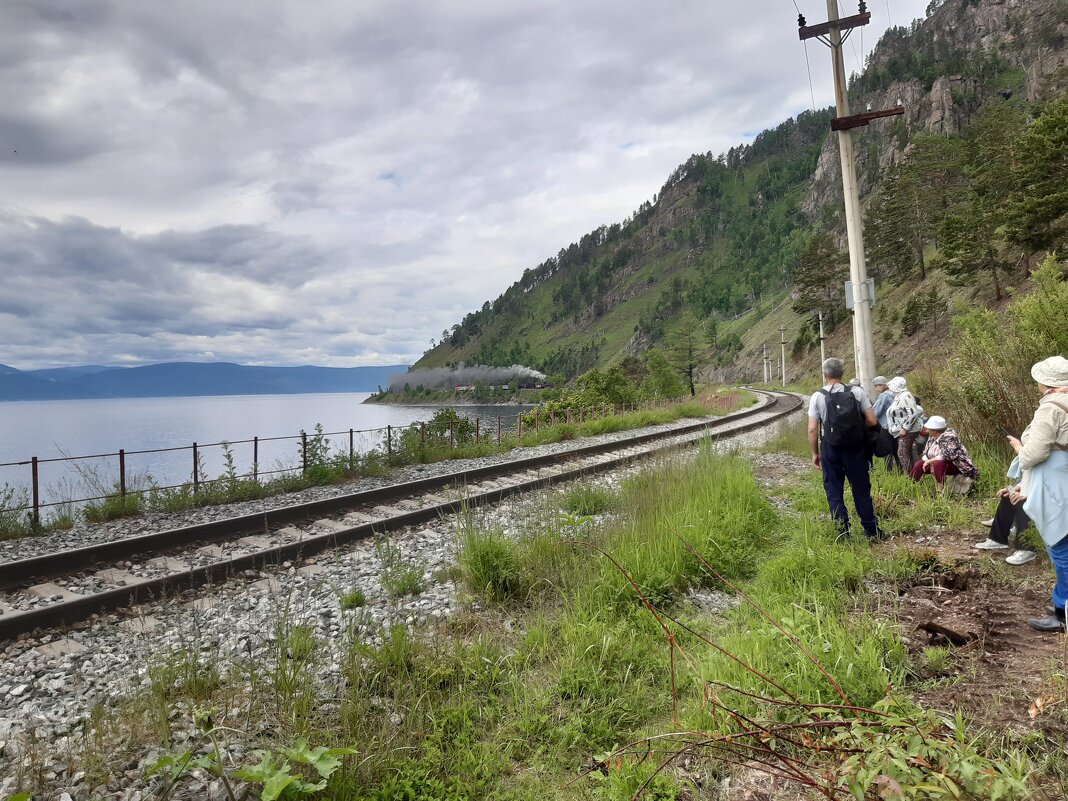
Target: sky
336, 182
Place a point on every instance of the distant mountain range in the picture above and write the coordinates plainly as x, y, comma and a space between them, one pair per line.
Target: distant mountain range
184, 379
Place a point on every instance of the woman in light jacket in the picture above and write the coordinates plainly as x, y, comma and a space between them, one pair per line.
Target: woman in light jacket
905, 419
1043, 452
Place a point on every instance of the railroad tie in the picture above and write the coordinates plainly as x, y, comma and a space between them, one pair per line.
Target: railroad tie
142, 624
120, 578
169, 563
256, 541
330, 525
49, 590
60, 647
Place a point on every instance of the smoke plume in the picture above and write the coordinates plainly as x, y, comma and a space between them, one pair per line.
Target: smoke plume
463, 376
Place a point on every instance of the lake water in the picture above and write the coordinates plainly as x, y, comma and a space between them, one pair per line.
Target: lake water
49, 429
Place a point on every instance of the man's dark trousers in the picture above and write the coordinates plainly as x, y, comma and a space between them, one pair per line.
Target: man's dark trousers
839, 465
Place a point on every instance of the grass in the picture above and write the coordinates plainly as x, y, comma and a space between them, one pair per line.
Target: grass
588, 499
556, 662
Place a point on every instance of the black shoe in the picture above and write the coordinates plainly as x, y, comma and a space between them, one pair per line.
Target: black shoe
1046, 623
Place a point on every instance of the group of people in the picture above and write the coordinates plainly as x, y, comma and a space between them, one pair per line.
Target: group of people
844, 424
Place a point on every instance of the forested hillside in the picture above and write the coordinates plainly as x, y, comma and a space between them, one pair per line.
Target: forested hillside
962, 192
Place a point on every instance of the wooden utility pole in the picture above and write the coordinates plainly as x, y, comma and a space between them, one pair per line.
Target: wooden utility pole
830, 33
782, 345
823, 356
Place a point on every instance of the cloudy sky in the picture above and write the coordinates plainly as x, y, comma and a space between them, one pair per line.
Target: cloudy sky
335, 182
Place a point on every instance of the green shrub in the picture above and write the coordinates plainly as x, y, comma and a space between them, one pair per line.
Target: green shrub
353, 600
589, 499
113, 507
491, 565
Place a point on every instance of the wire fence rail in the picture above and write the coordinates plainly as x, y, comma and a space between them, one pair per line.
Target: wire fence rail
387, 442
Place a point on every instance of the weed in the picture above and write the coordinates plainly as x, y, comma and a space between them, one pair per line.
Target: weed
490, 564
353, 599
937, 659
15, 521
588, 499
399, 577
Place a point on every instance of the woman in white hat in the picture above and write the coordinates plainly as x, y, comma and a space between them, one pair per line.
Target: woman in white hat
943, 455
1043, 453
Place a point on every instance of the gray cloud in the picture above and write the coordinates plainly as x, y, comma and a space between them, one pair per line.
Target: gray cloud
283, 182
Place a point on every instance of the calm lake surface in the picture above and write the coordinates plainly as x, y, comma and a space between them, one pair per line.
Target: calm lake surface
49, 429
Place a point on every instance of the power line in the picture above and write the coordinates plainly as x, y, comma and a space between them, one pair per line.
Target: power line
808, 66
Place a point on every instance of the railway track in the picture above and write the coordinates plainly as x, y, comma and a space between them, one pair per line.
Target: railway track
122, 573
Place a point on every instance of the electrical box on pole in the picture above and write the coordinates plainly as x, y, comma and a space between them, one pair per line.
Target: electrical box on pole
868, 295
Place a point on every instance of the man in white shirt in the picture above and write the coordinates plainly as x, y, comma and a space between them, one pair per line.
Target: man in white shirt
837, 437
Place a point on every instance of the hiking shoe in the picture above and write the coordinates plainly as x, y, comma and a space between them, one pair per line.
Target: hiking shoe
1053, 611
878, 535
1046, 623
992, 545
988, 523
1021, 557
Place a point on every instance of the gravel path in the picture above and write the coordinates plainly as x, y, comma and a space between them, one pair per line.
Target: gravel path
50, 685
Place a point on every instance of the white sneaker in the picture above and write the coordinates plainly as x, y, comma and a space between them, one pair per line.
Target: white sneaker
988, 523
1020, 557
990, 545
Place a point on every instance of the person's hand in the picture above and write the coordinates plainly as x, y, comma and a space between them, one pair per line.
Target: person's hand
926, 467
816, 460
1015, 496
1015, 444
1004, 491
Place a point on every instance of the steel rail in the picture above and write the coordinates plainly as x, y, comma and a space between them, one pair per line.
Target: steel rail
76, 609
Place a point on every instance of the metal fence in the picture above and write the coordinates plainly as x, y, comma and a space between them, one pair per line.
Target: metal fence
310, 448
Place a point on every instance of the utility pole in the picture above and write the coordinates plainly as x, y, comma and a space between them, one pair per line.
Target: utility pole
782, 344
823, 355
764, 359
830, 33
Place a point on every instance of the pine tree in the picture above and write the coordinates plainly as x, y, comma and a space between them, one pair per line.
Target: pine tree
684, 343
1039, 211
819, 273
972, 235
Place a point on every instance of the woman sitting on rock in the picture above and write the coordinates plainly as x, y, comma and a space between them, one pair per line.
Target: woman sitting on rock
944, 455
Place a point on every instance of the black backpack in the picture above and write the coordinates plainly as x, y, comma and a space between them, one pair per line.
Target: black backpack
843, 425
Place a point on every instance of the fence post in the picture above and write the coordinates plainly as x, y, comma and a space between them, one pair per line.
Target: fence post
537, 424
122, 473
452, 434
196, 469
389, 441
498, 431
36, 494
303, 452
255, 458
422, 435
519, 425
478, 425
352, 450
